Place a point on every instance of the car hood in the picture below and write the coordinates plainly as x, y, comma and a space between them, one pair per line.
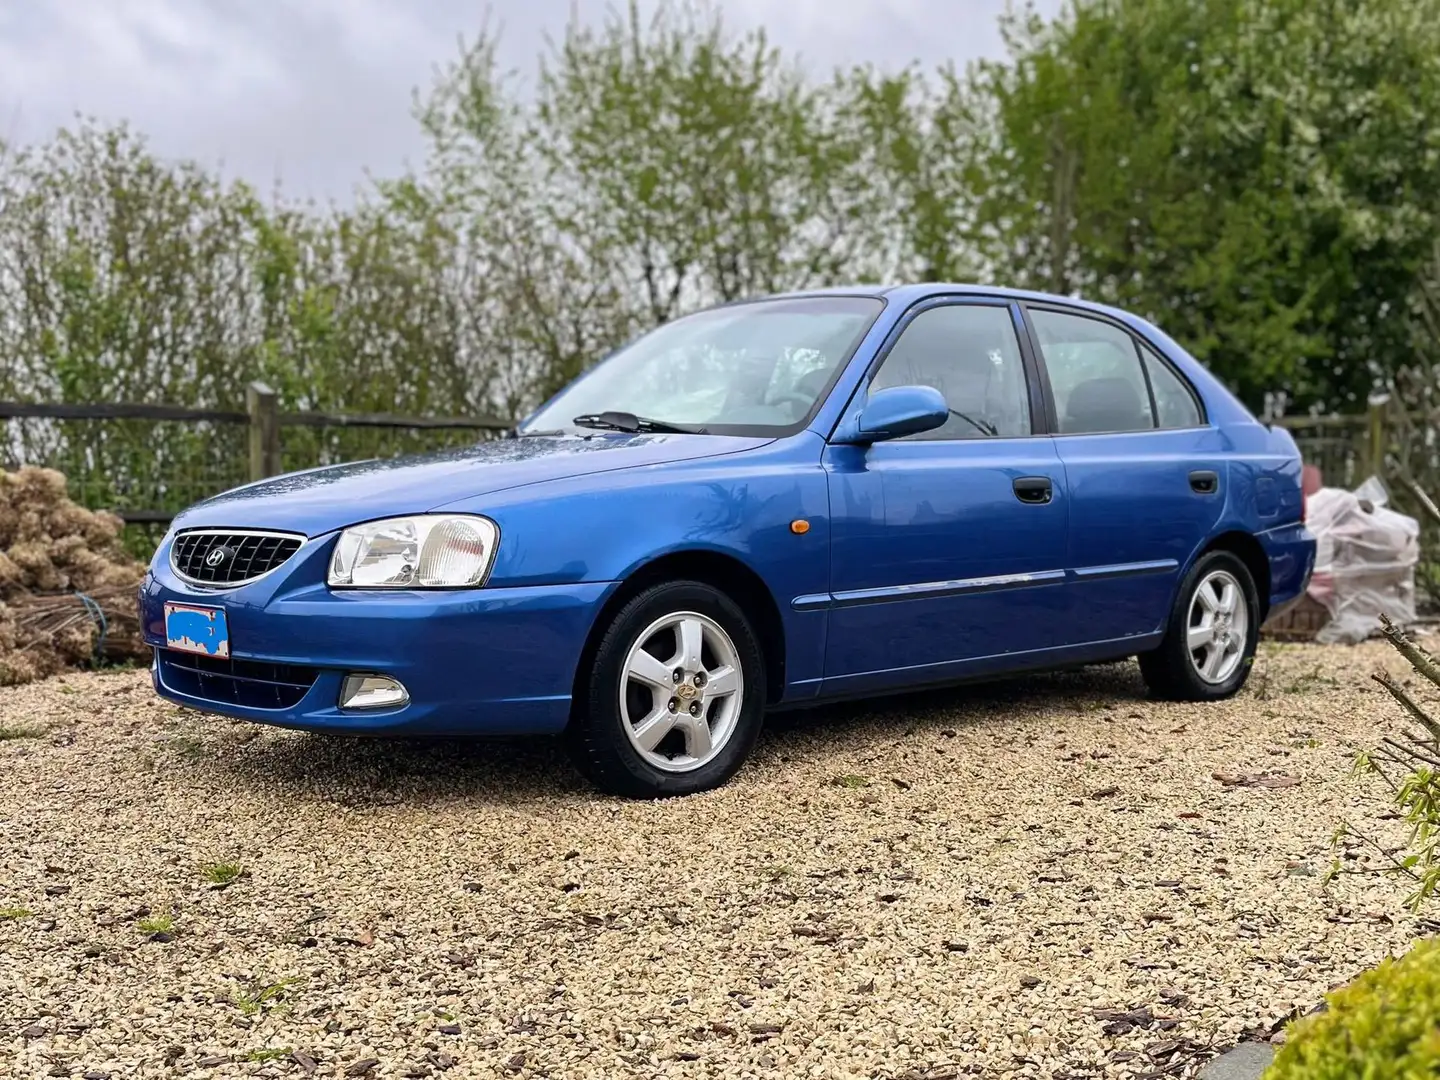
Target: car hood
319, 500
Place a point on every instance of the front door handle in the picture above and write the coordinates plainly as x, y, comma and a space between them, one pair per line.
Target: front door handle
1036, 490
1204, 482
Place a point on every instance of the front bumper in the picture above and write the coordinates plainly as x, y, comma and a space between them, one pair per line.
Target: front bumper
491, 661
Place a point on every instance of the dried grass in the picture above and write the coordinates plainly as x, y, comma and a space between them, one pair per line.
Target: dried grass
51, 552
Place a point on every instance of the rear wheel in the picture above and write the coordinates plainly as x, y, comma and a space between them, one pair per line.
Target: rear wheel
675, 697
1210, 640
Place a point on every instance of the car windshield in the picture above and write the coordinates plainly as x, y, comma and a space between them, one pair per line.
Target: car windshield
750, 368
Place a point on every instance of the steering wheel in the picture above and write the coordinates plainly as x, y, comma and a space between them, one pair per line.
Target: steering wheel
801, 402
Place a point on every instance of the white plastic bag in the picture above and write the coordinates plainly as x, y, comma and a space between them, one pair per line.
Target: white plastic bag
1365, 561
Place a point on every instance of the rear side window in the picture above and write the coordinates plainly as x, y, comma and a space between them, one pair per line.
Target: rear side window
1173, 399
1095, 375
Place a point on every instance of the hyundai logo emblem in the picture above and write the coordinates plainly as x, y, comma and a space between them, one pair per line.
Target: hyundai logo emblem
217, 556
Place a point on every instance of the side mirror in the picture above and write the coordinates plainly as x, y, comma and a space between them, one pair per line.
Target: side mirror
895, 412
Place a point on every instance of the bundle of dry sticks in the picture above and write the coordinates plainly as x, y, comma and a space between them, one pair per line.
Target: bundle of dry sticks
67, 584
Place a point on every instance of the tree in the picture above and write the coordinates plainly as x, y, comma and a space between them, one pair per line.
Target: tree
1258, 176
656, 165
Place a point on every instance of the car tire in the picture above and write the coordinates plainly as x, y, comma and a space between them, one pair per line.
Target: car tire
682, 717
1211, 636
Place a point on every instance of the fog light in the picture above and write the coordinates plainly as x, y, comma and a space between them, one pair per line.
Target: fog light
371, 692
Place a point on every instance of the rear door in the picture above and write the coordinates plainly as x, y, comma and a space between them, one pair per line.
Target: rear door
1146, 473
948, 546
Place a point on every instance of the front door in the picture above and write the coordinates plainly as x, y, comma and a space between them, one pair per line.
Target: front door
948, 547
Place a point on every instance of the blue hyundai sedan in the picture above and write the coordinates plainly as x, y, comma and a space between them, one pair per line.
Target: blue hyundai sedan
763, 505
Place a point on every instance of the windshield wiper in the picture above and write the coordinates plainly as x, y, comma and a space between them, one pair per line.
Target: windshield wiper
982, 426
613, 420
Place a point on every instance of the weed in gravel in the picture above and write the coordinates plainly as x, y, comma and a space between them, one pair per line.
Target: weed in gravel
269, 1054
157, 924
851, 780
1310, 681
187, 747
259, 995
15, 913
20, 731
223, 873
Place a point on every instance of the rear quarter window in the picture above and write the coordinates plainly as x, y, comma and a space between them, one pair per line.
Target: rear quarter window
1175, 402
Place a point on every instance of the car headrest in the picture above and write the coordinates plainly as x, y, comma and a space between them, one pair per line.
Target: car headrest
1110, 404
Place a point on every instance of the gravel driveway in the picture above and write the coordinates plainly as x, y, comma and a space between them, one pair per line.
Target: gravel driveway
1038, 878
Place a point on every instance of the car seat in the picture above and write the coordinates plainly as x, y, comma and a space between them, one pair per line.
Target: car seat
1108, 404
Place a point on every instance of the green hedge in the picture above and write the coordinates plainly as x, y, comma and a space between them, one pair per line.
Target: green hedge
1383, 1026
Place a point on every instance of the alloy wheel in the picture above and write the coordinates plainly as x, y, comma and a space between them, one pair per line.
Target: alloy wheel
1218, 626
681, 691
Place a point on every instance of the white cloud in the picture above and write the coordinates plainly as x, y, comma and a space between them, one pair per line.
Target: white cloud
316, 91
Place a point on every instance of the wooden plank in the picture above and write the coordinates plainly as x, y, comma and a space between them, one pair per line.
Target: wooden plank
260, 403
121, 411
390, 420
1357, 422
1293, 422
137, 411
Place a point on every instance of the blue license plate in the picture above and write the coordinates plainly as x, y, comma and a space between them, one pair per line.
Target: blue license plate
197, 630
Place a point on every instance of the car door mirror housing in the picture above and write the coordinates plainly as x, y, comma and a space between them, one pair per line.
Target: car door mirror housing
895, 412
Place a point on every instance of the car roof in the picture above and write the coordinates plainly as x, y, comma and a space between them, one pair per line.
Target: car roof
909, 292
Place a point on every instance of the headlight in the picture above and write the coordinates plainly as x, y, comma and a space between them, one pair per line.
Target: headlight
431, 551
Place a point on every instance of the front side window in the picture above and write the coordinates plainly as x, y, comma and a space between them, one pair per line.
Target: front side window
749, 368
970, 353
1095, 375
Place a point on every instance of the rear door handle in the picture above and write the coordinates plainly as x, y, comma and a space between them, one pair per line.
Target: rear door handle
1036, 490
1204, 482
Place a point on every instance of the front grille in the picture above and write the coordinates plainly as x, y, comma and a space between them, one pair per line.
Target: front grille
244, 555
255, 684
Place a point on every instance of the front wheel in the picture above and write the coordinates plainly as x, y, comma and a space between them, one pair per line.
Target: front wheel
675, 698
1210, 640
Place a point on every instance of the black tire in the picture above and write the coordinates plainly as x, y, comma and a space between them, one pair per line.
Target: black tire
1169, 671
596, 737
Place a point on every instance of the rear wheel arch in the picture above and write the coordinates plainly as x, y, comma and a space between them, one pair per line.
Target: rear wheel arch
724, 572
1247, 549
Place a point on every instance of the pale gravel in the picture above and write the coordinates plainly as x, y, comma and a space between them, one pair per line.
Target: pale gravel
964, 914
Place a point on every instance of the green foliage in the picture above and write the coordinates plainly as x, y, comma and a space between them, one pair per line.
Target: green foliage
157, 924
126, 278
269, 1053
223, 873
9, 732
1259, 176
258, 995
1409, 763
654, 166
1383, 1026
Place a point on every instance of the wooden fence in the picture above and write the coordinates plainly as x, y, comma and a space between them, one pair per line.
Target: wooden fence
1346, 448
147, 462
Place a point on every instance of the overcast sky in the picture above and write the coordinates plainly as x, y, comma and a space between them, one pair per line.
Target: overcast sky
314, 92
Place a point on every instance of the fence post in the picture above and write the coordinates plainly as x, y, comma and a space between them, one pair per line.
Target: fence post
260, 403
1378, 433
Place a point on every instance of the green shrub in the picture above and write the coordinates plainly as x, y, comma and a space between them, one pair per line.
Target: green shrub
1383, 1026
1409, 762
